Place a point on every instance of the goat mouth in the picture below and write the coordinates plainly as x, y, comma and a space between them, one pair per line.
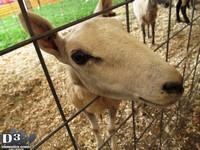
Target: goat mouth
154, 104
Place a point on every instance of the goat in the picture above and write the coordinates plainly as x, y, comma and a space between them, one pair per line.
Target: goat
146, 13
105, 4
182, 5
192, 4
105, 61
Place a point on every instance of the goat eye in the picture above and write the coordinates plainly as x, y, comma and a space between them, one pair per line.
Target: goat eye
80, 58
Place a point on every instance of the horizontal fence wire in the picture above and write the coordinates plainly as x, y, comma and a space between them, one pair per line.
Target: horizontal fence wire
33, 39
188, 55
45, 70
175, 34
55, 30
120, 126
184, 98
64, 123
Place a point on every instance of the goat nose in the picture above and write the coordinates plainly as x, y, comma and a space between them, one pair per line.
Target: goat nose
173, 87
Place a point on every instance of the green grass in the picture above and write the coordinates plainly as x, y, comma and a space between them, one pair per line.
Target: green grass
58, 14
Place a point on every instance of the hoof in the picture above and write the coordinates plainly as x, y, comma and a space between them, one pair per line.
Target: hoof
178, 20
110, 14
187, 21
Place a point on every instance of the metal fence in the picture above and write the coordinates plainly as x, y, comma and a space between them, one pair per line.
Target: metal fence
161, 117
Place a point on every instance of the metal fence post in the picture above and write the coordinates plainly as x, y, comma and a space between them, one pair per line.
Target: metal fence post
26, 18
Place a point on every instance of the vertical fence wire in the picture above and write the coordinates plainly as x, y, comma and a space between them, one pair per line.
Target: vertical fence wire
132, 103
168, 30
194, 73
179, 110
189, 40
166, 59
161, 129
44, 67
134, 125
127, 17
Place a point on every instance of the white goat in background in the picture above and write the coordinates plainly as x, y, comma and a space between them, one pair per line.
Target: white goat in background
146, 13
106, 61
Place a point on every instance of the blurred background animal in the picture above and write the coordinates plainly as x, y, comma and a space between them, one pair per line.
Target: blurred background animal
146, 13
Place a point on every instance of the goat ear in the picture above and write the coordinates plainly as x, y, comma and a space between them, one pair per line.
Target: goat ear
51, 44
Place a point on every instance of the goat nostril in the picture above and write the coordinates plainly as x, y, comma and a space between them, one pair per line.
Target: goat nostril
173, 87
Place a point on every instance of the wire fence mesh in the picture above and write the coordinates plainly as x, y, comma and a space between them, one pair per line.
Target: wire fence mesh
156, 123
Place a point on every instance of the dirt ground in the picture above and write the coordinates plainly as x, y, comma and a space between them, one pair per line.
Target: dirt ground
26, 102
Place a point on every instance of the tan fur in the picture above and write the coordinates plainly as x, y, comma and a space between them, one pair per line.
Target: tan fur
80, 97
128, 69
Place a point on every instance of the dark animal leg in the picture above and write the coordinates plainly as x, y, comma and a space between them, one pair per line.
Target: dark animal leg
193, 4
107, 4
183, 10
178, 7
110, 14
153, 32
148, 33
143, 32
188, 3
